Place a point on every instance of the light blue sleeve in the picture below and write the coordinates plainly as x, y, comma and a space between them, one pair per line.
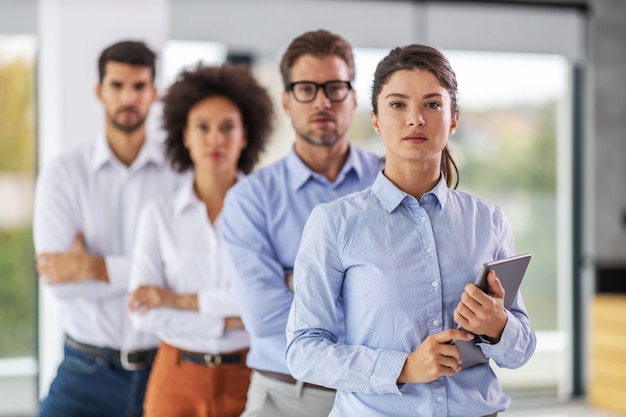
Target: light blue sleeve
518, 341
258, 279
314, 353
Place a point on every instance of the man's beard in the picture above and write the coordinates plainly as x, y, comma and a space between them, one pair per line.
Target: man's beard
128, 128
320, 140
326, 140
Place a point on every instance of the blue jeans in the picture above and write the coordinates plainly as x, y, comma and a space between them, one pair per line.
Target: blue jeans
94, 386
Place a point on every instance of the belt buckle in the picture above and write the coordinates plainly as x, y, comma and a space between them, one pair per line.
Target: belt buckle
127, 364
212, 360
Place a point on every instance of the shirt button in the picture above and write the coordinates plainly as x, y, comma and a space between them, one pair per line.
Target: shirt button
429, 250
435, 284
435, 322
440, 398
423, 219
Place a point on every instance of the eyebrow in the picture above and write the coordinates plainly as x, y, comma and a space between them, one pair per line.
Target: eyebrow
203, 118
404, 96
123, 81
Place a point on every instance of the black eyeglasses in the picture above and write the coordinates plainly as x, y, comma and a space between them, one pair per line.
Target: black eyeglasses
306, 91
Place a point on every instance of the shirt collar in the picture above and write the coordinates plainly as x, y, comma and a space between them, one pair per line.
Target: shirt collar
299, 173
150, 152
102, 153
186, 195
391, 196
441, 192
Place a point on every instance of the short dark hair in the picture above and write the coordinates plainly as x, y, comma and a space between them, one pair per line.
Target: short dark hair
134, 53
234, 82
425, 58
320, 43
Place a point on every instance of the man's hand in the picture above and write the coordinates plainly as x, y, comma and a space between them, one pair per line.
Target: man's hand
75, 265
148, 297
482, 313
434, 358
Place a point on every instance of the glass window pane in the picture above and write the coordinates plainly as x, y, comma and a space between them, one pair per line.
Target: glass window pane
179, 55
506, 150
18, 284
17, 298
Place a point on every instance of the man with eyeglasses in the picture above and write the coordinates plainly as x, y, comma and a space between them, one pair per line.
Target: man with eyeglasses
264, 214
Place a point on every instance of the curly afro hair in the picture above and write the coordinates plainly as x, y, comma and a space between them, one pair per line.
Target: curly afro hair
234, 82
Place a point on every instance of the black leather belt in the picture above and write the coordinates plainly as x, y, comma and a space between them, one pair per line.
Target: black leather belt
211, 359
289, 379
131, 360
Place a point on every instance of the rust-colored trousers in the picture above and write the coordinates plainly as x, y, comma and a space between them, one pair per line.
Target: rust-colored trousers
183, 389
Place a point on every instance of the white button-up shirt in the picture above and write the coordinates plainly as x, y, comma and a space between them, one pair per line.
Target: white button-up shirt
178, 248
89, 190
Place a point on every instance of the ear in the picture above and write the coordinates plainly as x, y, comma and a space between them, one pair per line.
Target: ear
98, 90
155, 94
453, 123
185, 141
244, 141
375, 122
285, 103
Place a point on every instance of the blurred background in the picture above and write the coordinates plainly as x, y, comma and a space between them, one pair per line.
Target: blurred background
541, 134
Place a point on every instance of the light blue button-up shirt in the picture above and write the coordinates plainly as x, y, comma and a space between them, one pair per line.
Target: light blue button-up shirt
262, 222
398, 267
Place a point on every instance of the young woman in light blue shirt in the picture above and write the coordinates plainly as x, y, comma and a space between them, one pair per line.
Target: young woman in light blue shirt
400, 258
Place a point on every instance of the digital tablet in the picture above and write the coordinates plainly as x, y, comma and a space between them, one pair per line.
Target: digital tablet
510, 272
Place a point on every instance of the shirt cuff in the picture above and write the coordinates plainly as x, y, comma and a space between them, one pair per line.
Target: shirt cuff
387, 369
507, 339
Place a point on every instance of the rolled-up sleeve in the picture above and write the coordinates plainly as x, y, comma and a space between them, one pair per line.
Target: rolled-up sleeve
55, 226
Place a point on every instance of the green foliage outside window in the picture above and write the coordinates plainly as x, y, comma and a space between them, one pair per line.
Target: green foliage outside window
17, 301
17, 276
16, 117
508, 157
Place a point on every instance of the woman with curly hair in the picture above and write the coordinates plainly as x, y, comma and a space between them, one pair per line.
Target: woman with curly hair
217, 121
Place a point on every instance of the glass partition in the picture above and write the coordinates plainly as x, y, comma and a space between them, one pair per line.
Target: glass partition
17, 178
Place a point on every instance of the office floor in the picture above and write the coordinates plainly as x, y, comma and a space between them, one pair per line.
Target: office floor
573, 408
569, 409
534, 408
524, 404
